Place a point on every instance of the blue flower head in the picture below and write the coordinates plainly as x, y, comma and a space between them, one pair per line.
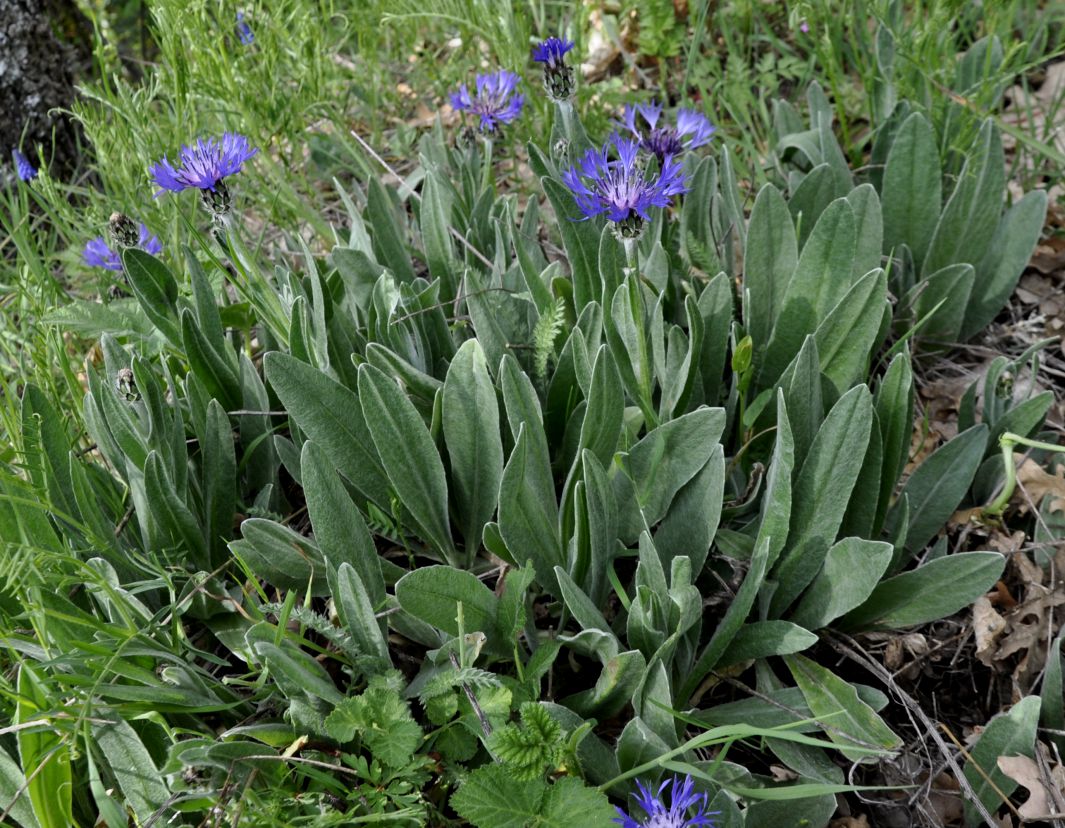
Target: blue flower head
26, 171
247, 36
683, 802
692, 130
558, 77
494, 100
203, 167
98, 253
552, 51
623, 188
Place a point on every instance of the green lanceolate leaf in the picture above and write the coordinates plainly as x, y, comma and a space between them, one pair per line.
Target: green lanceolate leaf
939, 308
408, 454
762, 639
388, 244
580, 237
528, 522
156, 290
822, 278
215, 370
13, 799
869, 229
172, 513
821, 186
967, 225
43, 753
436, 234
601, 428
356, 611
938, 485
281, 556
768, 263
935, 590
339, 529
894, 412
911, 187
691, 522
470, 417
730, 625
997, 273
848, 721
433, 594
822, 491
852, 569
329, 414
657, 467
847, 335
219, 479
715, 307
142, 784
1008, 734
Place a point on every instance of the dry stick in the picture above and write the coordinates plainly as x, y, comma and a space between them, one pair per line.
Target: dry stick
984, 775
486, 726
850, 651
462, 239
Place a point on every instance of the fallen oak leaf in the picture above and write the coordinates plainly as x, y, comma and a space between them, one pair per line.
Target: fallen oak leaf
1025, 772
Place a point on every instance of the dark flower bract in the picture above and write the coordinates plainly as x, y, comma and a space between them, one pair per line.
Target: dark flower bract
98, 253
204, 165
623, 188
683, 801
494, 100
693, 130
26, 171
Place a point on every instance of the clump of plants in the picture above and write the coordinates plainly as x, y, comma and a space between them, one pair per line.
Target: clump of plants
508, 509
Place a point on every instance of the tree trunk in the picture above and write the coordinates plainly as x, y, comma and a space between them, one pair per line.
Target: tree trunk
37, 72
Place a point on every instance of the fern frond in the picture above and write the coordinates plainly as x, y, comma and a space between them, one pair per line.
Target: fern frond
546, 331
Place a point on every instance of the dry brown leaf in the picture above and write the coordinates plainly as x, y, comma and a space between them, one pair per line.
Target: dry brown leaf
782, 774
1025, 772
988, 625
1037, 482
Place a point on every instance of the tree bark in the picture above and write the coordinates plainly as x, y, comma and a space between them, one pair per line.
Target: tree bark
37, 72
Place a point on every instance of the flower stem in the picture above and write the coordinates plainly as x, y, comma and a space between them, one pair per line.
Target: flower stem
1006, 442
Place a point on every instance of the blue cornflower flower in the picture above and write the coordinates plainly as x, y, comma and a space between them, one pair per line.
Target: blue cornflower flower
558, 77
494, 101
693, 130
26, 171
683, 800
204, 167
247, 36
98, 253
623, 188
551, 51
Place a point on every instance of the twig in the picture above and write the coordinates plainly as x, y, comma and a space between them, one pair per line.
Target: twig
850, 650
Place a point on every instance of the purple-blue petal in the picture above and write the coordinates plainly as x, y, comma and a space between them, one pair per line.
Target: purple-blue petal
493, 100
25, 170
204, 164
551, 51
98, 254
622, 187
